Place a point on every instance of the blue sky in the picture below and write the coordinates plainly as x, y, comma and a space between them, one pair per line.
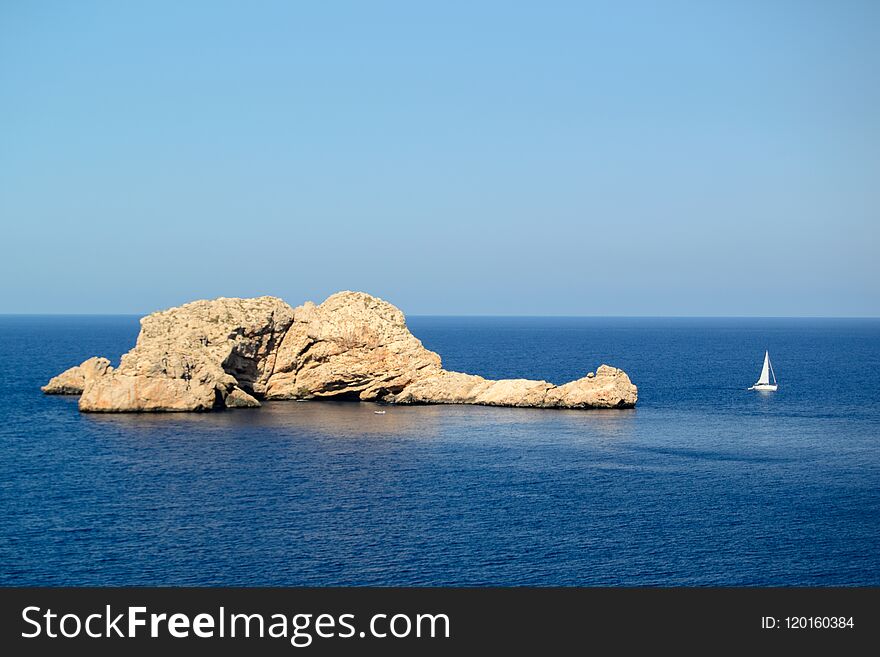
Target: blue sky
573, 158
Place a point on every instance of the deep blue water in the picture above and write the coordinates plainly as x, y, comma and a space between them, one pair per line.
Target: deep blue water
703, 483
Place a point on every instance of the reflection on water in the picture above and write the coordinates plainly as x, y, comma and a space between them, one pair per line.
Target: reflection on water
348, 419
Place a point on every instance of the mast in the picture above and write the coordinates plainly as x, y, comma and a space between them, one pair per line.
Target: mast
771, 368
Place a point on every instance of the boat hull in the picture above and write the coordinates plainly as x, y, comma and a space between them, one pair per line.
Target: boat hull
765, 387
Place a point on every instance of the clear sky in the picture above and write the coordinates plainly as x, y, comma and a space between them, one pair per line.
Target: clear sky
569, 158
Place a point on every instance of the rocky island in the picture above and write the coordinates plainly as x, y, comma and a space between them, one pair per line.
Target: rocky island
232, 353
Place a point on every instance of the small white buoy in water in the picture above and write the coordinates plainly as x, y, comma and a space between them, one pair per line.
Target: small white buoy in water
379, 412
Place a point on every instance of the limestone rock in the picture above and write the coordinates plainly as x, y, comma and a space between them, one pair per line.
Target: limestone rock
233, 352
352, 345
191, 357
124, 393
73, 380
608, 388
238, 398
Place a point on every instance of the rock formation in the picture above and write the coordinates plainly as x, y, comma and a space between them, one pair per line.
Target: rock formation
233, 352
195, 357
73, 380
352, 345
608, 387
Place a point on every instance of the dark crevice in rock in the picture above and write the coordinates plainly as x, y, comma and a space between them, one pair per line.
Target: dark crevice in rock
219, 400
346, 395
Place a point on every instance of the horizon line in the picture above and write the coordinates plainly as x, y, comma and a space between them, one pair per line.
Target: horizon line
493, 315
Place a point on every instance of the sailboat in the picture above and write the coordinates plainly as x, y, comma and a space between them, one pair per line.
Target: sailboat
766, 372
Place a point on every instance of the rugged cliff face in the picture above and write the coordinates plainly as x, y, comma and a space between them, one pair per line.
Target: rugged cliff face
353, 345
233, 352
196, 357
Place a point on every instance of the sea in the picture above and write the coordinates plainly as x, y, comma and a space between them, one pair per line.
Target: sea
704, 483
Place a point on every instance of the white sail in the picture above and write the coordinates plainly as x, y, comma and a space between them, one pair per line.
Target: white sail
764, 379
